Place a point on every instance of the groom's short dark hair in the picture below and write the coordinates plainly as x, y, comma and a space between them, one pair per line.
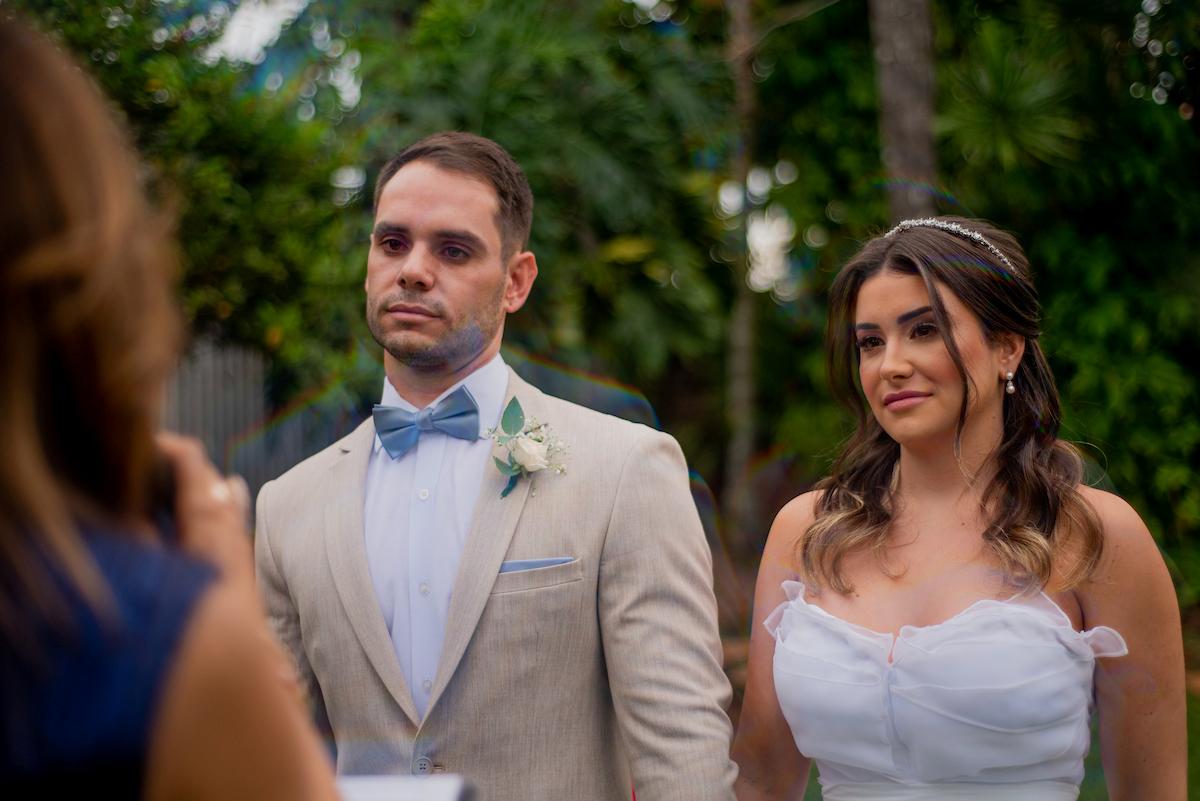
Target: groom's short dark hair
479, 158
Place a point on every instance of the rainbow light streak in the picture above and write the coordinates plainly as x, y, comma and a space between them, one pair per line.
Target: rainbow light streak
933, 191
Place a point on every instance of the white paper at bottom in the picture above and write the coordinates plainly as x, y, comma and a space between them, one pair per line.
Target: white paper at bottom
401, 788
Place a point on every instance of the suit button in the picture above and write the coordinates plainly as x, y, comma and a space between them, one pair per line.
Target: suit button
423, 765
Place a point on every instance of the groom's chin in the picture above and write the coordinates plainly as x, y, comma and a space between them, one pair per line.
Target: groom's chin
423, 354
427, 359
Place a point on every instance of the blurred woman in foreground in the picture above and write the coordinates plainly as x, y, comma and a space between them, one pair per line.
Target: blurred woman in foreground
963, 599
130, 663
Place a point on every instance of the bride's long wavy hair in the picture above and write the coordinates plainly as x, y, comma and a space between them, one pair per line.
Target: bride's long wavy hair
1032, 503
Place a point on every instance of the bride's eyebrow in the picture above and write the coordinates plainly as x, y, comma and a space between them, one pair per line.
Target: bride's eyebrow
912, 315
901, 320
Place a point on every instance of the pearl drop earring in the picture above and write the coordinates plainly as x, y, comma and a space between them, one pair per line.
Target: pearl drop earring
1009, 387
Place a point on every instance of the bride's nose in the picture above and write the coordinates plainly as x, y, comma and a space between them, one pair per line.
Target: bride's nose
895, 364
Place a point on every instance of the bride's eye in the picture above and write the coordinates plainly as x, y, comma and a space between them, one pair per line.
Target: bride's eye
922, 330
869, 342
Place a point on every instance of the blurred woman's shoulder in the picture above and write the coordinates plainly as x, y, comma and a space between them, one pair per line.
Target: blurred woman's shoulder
234, 722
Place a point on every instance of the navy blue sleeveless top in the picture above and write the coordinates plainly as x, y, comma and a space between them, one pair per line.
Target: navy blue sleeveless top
80, 715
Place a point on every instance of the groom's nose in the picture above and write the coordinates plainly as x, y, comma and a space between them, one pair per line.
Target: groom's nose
418, 270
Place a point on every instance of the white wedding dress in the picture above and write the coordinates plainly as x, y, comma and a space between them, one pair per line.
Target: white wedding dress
994, 703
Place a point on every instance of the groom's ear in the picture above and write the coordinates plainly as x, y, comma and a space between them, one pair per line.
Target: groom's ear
521, 273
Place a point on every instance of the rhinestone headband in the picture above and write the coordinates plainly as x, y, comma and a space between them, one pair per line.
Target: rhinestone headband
954, 228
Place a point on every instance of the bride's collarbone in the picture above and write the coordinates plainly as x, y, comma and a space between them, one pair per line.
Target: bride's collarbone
916, 593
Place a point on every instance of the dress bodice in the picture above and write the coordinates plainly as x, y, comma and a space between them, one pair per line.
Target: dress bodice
999, 694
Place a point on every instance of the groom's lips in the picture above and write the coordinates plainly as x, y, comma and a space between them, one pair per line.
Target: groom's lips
408, 311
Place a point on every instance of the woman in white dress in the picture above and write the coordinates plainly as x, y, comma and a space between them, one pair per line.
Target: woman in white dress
939, 618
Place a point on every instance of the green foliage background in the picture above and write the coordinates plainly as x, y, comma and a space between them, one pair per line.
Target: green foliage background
1050, 122
265, 248
625, 126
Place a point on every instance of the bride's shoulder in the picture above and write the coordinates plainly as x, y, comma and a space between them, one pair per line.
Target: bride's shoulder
801, 509
794, 520
1118, 520
1130, 590
1128, 548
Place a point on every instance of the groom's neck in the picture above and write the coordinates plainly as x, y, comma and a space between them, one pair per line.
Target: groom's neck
423, 387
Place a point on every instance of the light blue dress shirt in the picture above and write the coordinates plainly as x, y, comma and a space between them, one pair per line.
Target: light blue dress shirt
417, 514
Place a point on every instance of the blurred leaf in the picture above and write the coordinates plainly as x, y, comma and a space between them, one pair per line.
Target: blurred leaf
1010, 103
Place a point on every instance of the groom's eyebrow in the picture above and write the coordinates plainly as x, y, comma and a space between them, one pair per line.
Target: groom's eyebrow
901, 320
464, 237
444, 234
384, 228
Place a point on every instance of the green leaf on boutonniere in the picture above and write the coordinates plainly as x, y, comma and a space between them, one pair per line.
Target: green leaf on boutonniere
514, 418
506, 468
512, 482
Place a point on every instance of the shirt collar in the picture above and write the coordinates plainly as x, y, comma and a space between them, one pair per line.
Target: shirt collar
488, 385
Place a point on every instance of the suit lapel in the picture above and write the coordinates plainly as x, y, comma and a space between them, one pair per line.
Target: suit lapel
346, 551
493, 524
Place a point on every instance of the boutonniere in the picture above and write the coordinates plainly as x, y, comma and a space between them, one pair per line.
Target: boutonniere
527, 445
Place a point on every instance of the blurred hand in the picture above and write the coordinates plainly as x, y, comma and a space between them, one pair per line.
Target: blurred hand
212, 511
212, 514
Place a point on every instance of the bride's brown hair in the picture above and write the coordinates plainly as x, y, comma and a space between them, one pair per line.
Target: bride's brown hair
1032, 501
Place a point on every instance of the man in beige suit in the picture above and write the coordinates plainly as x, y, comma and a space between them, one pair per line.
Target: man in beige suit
548, 635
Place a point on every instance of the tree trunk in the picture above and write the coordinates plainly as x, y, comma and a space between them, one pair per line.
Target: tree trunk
741, 506
737, 498
902, 35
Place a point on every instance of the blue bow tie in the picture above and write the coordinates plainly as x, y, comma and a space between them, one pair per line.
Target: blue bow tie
399, 429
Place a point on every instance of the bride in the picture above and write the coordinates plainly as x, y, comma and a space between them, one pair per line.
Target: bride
941, 616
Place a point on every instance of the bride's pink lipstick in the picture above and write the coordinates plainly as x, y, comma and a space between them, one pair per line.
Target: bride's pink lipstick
903, 400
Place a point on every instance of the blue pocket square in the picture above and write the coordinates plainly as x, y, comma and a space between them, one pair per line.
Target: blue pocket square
518, 565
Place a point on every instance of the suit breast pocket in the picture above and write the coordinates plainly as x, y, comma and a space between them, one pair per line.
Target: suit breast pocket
537, 625
538, 578
546, 614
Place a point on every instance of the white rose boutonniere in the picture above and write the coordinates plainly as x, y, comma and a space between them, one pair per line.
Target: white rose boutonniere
530, 455
527, 446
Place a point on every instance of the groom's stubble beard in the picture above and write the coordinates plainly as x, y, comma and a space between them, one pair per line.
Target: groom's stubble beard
462, 342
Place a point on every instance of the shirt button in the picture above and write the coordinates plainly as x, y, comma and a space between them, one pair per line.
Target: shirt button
427, 685
424, 588
423, 494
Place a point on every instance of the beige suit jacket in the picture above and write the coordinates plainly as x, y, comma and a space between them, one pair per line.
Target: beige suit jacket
576, 681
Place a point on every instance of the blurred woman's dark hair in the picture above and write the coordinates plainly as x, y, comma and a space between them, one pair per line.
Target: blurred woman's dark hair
88, 329
1034, 510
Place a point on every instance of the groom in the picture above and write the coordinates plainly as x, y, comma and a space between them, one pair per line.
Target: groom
548, 635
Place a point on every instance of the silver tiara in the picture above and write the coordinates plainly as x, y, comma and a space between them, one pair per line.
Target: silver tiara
954, 228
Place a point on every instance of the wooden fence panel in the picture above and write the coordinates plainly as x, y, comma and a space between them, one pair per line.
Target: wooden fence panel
219, 396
